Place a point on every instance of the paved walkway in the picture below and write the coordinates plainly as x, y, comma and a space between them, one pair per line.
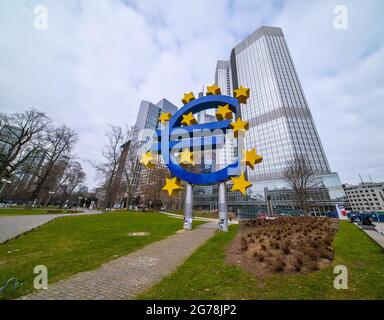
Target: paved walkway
377, 236
13, 226
128, 276
179, 216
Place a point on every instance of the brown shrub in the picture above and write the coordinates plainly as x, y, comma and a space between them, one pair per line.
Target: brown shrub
243, 244
313, 266
285, 248
326, 253
275, 245
298, 263
278, 265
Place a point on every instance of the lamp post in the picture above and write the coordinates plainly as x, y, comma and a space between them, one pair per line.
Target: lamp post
4, 182
78, 205
85, 202
49, 197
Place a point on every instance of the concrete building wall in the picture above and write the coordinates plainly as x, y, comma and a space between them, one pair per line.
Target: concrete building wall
366, 196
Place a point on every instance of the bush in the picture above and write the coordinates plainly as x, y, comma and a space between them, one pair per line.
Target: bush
278, 265
244, 244
285, 248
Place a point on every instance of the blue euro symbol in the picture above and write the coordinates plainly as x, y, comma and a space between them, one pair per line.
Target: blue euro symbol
169, 139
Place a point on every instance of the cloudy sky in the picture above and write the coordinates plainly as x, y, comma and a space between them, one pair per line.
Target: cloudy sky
99, 58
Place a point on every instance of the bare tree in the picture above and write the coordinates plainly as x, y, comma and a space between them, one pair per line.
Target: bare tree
71, 177
301, 177
132, 167
153, 196
112, 167
18, 135
57, 145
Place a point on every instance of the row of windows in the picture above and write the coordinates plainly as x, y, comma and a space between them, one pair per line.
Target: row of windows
367, 208
295, 96
262, 81
361, 191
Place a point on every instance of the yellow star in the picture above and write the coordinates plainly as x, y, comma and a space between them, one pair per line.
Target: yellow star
241, 94
188, 97
240, 184
213, 89
148, 160
188, 119
223, 113
172, 186
239, 126
251, 158
165, 116
186, 157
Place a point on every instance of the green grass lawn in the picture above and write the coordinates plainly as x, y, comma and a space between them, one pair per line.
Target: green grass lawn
205, 275
70, 245
25, 212
197, 213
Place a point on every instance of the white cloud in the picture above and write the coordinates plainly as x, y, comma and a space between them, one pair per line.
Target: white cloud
99, 59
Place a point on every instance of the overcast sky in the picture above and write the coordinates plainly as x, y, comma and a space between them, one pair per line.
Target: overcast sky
99, 58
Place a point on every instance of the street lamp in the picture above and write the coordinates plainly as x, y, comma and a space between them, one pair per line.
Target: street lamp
49, 197
85, 202
4, 181
79, 201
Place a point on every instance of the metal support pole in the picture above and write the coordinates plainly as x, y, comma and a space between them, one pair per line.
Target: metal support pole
268, 202
188, 207
223, 212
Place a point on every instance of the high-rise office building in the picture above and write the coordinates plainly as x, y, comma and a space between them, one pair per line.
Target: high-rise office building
223, 77
281, 126
148, 118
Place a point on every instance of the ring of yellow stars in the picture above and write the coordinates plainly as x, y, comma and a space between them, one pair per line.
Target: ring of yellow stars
188, 119
241, 94
188, 97
239, 126
148, 160
165, 116
172, 186
186, 157
223, 113
212, 90
240, 184
251, 158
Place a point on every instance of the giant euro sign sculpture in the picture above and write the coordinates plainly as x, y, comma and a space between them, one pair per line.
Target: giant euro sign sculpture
181, 134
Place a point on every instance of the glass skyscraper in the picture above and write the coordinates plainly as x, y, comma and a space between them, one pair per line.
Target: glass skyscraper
223, 77
148, 118
280, 122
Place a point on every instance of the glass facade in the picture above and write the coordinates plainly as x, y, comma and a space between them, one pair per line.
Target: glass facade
223, 79
148, 118
281, 124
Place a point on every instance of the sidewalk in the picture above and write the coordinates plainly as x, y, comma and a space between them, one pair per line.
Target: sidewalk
216, 220
13, 226
377, 236
128, 276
